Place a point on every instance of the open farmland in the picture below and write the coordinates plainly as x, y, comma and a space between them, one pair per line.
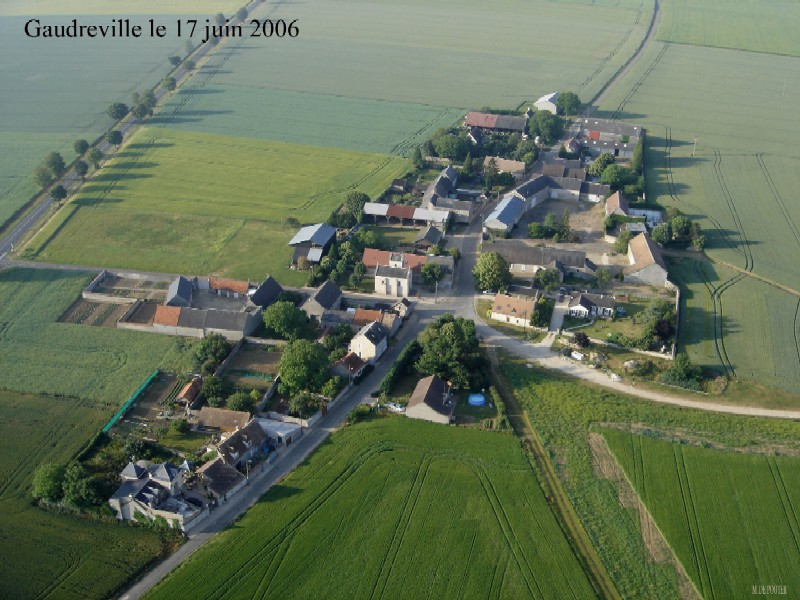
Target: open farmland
186, 202
450, 513
68, 553
55, 98
444, 53
358, 124
740, 186
741, 24
564, 413
731, 518
40, 355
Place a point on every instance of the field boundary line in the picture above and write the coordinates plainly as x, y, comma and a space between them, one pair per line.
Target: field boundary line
555, 494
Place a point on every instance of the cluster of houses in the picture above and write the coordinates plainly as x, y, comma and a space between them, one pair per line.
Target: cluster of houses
199, 306
181, 495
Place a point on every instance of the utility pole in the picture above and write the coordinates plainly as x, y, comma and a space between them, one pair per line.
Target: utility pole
695, 146
436, 292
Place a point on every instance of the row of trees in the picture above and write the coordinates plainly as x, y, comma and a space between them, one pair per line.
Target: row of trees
679, 230
618, 177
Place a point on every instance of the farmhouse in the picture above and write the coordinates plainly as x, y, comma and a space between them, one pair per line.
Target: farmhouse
430, 237
591, 306
389, 321
195, 322
349, 366
399, 214
242, 445
393, 281
524, 259
646, 262
430, 401
369, 343
617, 204
312, 242
150, 491
514, 167
267, 293
498, 123
460, 210
510, 309
548, 103
179, 293
603, 135
221, 479
402, 308
506, 214
227, 288
222, 419
327, 297
374, 258
442, 186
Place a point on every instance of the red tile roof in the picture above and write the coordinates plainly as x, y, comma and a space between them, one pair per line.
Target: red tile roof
479, 119
218, 283
400, 211
594, 135
373, 258
365, 316
167, 315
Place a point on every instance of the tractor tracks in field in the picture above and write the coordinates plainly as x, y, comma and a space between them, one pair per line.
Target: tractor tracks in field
639, 82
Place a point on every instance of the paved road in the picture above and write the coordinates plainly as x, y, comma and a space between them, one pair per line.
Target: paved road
261, 479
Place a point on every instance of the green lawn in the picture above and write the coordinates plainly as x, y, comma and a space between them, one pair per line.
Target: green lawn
391, 237
450, 513
445, 53
563, 412
756, 26
197, 203
314, 119
51, 99
601, 328
730, 517
68, 553
100, 365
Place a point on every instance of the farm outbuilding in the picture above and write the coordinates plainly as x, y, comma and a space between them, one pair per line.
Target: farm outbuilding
431, 401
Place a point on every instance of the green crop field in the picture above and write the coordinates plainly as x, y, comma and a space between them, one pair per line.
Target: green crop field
743, 24
758, 340
46, 554
59, 96
394, 508
39, 355
444, 53
118, 8
196, 203
731, 518
301, 118
740, 185
564, 412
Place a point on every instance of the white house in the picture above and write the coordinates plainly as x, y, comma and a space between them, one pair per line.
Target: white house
646, 262
510, 309
547, 103
393, 281
369, 343
591, 306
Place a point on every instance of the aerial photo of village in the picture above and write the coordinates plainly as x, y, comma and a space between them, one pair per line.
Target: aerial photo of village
399, 299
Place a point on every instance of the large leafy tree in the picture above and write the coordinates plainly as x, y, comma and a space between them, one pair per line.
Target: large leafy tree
547, 278
600, 163
114, 137
491, 272
42, 176
568, 103
303, 367
546, 125
80, 146
450, 349
79, 487
285, 320
431, 273
118, 110
240, 401
48, 481
55, 162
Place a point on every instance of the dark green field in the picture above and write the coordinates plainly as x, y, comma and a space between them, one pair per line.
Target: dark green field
394, 508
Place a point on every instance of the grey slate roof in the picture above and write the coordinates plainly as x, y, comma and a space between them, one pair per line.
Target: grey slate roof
508, 211
267, 293
532, 186
319, 235
164, 471
373, 332
327, 294
518, 252
590, 300
179, 292
221, 477
250, 436
510, 122
430, 235
228, 320
393, 272
132, 471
